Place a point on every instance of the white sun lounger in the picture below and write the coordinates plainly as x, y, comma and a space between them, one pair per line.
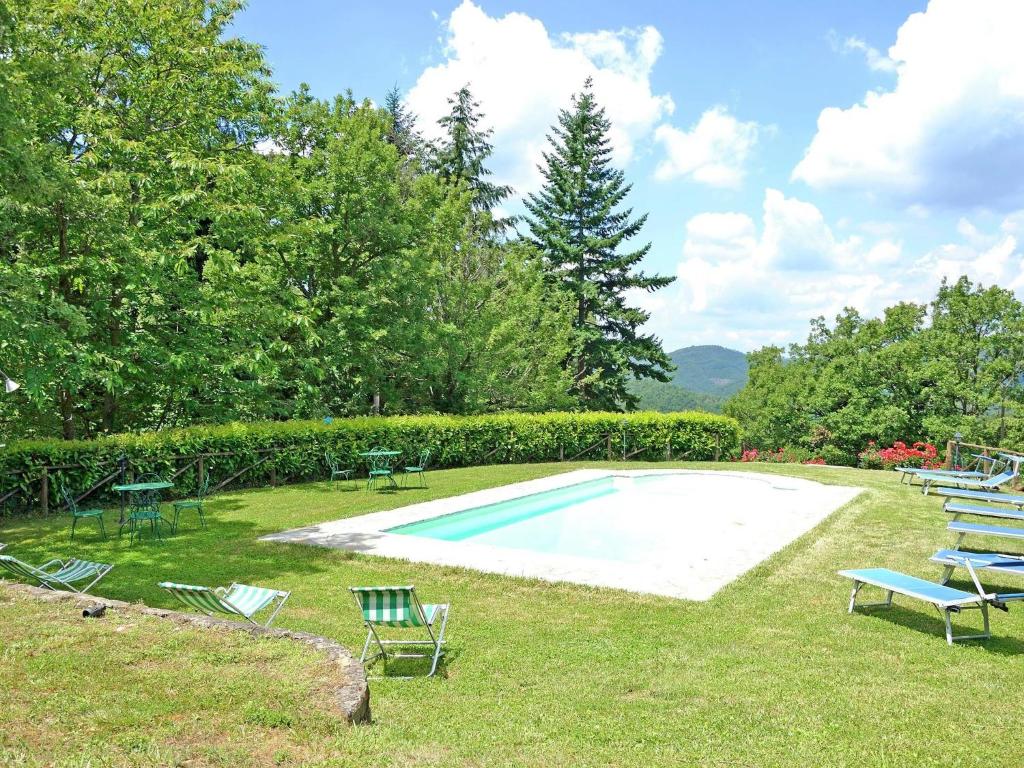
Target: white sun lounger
946, 600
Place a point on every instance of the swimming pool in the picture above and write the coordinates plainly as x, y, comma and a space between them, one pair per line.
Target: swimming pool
680, 533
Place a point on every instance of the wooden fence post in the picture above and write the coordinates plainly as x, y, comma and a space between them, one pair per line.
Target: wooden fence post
608, 445
273, 477
44, 490
561, 453
668, 449
718, 447
949, 454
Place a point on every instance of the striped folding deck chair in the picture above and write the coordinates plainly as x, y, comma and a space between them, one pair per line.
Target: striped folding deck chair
400, 607
58, 574
237, 600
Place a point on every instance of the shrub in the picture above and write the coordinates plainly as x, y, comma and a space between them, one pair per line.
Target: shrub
788, 455
294, 451
899, 455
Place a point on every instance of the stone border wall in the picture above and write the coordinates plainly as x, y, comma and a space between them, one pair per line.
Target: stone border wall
350, 692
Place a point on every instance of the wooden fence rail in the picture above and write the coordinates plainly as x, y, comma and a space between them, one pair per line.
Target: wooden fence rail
953, 448
124, 470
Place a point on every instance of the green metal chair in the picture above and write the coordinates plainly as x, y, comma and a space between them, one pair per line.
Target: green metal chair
145, 509
380, 468
196, 503
400, 607
79, 514
336, 471
419, 469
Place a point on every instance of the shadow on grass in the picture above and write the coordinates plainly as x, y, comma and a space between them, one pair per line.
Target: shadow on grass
226, 551
935, 626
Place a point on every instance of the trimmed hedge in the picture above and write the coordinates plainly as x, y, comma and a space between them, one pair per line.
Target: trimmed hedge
297, 447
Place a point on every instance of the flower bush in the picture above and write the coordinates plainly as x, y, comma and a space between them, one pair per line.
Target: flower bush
920, 454
780, 456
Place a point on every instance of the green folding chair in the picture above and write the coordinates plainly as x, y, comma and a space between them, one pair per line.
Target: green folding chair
419, 469
80, 514
400, 607
237, 600
58, 574
336, 469
196, 503
380, 469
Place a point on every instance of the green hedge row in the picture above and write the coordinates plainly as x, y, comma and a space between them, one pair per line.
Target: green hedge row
298, 447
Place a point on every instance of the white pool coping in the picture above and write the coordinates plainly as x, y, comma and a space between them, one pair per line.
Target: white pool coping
695, 579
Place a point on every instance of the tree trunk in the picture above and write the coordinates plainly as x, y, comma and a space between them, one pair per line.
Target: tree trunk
66, 403
65, 400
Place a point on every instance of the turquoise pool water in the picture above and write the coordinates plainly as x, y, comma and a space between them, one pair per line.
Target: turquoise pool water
479, 521
629, 519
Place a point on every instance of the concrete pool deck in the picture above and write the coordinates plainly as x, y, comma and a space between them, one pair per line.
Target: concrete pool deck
696, 548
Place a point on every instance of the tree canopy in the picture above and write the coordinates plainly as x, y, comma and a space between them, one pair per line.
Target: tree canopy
180, 243
916, 373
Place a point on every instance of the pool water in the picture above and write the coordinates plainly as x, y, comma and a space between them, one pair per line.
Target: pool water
627, 519
673, 532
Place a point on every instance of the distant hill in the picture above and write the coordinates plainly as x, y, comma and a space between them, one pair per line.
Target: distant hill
711, 369
706, 376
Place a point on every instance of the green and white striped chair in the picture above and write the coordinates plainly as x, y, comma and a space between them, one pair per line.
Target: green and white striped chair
400, 607
58, 574
237, 600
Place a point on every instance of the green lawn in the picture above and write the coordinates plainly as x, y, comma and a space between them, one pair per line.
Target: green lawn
771, 672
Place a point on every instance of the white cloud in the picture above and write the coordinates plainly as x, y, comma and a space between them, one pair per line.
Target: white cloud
747, 284
875, 60
522, 77
951, 131
713, 152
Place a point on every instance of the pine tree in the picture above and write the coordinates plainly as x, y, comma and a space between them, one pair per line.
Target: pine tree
403, 133
461, 157
578, 226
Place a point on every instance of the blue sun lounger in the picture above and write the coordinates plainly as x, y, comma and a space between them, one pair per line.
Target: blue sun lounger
928, 479
994, 498
982, 529
946, 600
985, 466
957, 508
988, 561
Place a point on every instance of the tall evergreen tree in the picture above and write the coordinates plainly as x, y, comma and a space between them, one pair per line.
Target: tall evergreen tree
461, 157
578, 226
402, 133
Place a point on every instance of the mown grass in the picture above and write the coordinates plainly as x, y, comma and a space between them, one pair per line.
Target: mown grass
770, 672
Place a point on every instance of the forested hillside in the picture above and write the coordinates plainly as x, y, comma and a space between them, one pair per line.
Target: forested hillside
704, 379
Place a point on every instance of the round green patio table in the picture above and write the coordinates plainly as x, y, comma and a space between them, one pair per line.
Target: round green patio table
388, 457
137, 488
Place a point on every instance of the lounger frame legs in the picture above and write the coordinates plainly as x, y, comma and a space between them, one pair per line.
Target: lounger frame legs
946, 612
951, 638
887, 603
436, 641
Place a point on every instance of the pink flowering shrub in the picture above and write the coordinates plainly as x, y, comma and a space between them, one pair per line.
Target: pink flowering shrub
920, 454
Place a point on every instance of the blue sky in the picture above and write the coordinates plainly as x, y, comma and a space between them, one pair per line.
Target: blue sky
795, 157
